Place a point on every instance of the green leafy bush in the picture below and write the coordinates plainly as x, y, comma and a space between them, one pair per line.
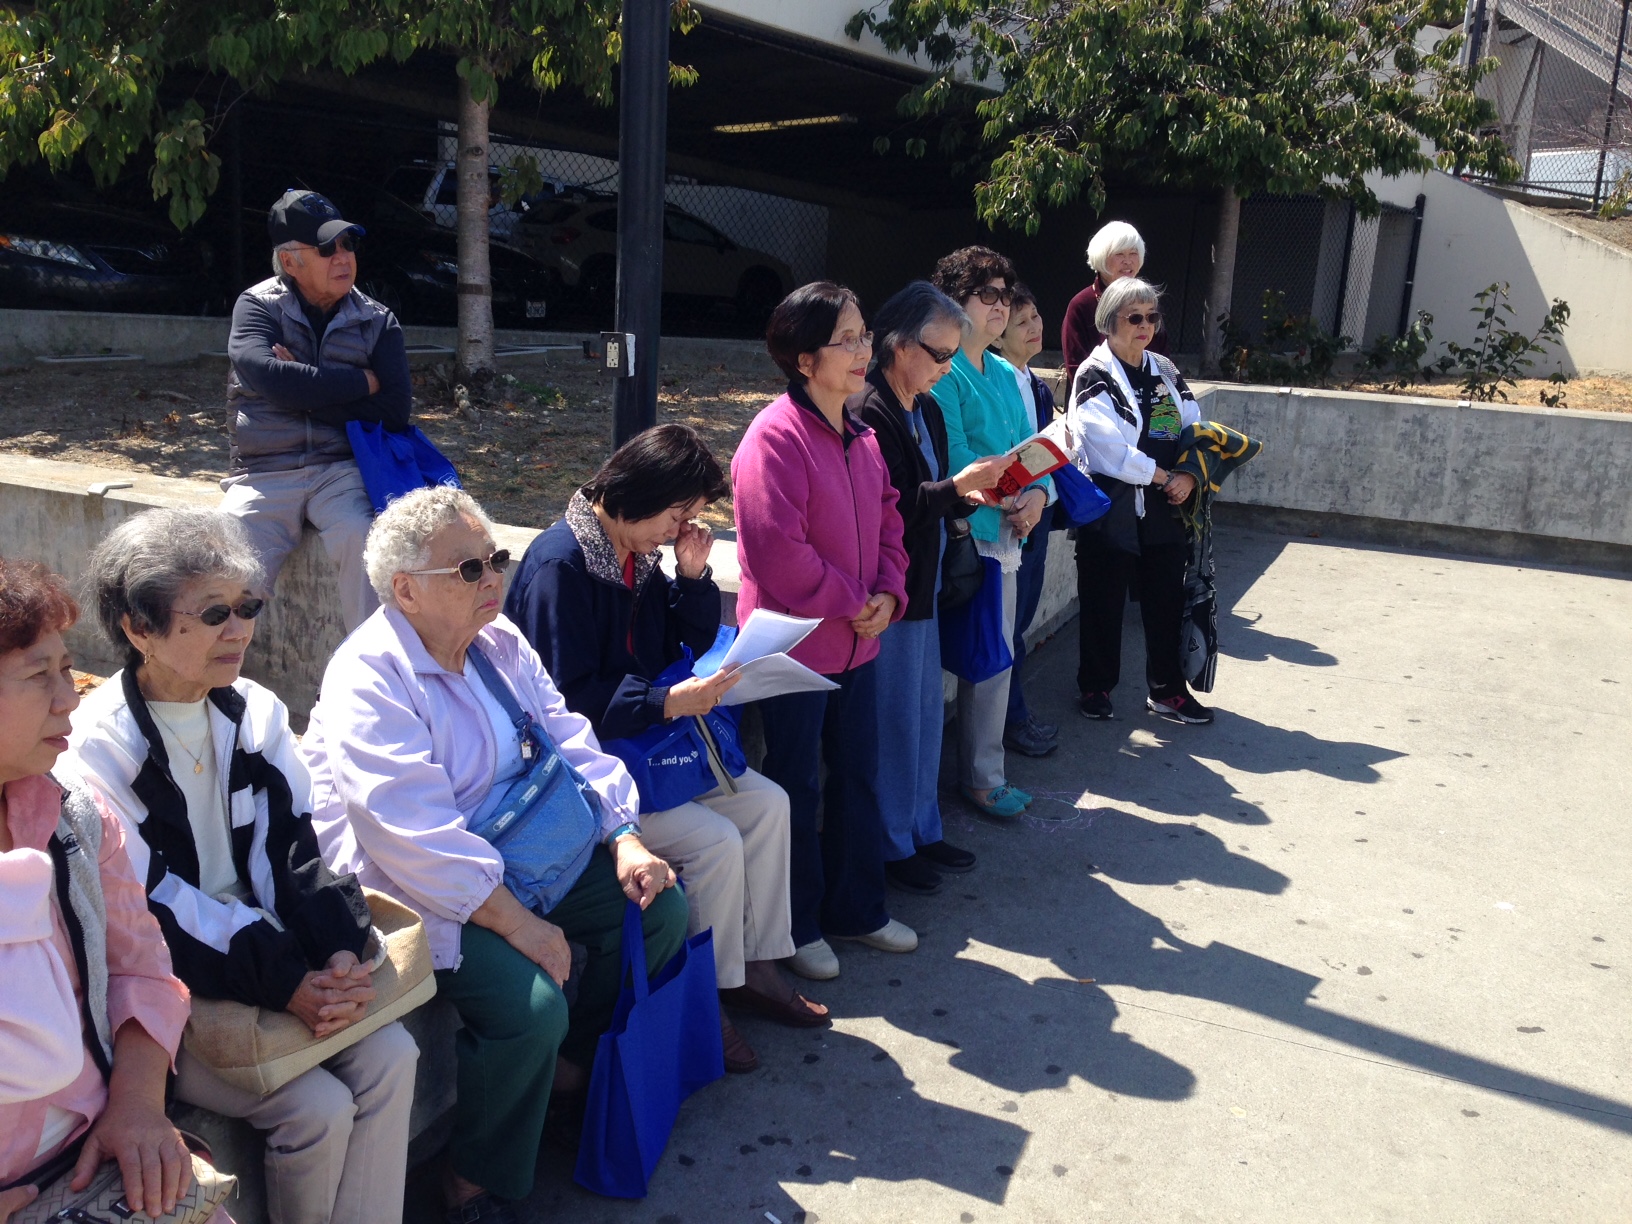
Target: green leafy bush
1291, 348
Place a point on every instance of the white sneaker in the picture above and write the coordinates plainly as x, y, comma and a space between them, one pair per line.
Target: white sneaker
814, 961
893, 936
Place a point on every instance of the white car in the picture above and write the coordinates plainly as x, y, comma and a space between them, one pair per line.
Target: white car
434, 190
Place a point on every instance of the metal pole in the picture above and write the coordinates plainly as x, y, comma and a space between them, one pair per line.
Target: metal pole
1343, 276
1609, 111
643, 123
1411, 266
1476, 31
235, 197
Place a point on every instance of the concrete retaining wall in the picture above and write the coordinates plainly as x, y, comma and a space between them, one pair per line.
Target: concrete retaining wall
1469, 477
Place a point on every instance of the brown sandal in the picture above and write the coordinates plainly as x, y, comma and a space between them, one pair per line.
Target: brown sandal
797, 1012
739, 1055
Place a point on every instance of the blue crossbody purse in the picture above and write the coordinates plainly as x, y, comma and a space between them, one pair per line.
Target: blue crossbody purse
549, 821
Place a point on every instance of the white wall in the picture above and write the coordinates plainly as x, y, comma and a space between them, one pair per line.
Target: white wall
819, 20
1472, 236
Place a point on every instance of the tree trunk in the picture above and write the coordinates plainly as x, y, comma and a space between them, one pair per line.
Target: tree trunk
1222, 288
475, 361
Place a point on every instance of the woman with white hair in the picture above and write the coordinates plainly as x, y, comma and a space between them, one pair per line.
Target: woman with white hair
1128, 408
431, 712
201, 766
1116, 251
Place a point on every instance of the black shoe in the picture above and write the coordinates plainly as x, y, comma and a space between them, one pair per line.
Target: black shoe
1096, 705
1046, 730
947, 857
913, 875
1184, 708
1024, 739
483, 1209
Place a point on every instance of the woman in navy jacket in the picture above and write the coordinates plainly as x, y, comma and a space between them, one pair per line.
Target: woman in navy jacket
594, 601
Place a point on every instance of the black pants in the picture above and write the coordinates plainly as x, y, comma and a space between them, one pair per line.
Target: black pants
1102, 592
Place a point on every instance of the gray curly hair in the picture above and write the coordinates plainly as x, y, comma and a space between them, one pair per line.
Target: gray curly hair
142, 566
400, 539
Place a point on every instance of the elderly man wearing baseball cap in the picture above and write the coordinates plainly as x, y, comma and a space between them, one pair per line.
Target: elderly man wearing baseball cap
310, 352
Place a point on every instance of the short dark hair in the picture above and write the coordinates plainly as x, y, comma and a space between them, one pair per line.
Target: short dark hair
669, 465
33, 602
803, 322
1023, 296
959, 274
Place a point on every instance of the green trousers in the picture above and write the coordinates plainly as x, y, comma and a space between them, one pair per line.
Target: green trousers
516, 1021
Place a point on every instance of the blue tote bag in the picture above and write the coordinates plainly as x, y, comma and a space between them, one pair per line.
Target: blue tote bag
396, 463
663, 1045
674, 762
973, 644
1081, 501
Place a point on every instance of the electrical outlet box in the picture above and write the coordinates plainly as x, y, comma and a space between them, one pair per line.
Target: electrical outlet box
619, 351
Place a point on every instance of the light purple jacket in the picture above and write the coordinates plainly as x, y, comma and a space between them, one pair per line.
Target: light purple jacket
401, 754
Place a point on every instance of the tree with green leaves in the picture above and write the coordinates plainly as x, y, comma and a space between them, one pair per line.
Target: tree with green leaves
1238, 96
83, 79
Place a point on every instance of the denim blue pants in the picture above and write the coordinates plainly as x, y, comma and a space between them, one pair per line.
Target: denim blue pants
836, 876
911, 710
1028, 591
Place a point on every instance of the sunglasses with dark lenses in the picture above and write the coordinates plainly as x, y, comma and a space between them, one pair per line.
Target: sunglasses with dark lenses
939, 356
345, 242
1153, 317
991, 295
470, 569
216, 614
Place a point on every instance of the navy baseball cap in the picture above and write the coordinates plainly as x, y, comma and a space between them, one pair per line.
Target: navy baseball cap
306, 216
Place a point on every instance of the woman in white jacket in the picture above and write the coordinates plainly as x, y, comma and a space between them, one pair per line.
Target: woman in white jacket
1128, 408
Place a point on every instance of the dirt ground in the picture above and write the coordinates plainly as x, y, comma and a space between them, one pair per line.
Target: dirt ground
521, 457
1587, 394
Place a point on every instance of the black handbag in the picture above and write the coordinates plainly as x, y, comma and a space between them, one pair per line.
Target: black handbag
961, 570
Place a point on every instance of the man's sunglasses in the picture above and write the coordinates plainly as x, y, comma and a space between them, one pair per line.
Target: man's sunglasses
939, 356
345, 242
471, 568
991, 295
216, 614
1153, 317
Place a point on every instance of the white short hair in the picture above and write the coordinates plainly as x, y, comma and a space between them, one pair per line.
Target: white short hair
1121, 293
293, 248
400, 539
1112, 239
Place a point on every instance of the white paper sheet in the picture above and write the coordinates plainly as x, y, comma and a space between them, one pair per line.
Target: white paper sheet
771, 676
768, 633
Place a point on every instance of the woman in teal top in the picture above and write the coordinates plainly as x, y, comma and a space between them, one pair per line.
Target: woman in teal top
980, 399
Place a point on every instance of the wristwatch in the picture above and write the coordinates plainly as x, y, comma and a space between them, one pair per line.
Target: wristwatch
623, 830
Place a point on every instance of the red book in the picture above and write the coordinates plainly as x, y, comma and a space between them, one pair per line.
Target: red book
1044, 452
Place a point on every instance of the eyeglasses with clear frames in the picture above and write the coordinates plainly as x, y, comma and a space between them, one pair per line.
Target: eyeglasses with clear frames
853, 344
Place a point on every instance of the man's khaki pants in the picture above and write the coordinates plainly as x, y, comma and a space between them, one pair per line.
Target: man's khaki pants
276, 506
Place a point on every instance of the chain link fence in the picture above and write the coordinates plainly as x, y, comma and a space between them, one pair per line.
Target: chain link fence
1563, 93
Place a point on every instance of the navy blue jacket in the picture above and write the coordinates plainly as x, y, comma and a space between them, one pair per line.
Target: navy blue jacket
573, 606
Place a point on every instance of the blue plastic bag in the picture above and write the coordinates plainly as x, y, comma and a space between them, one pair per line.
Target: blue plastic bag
396, 463
669, 762
973, 644
663, 1045
1081, 501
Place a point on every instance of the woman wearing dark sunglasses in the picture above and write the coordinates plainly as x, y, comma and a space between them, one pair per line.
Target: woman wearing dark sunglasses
201, 766
1128, 408
985, 415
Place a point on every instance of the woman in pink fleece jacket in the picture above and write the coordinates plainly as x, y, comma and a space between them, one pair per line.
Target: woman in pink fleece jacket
818, 535
72, 1097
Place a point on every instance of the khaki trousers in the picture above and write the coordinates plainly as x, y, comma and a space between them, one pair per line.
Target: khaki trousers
276, 506
336, 1137
732, 853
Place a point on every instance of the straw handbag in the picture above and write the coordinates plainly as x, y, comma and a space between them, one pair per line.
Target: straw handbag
260, 1050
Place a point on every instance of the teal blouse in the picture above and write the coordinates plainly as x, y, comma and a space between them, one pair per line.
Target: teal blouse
984, 416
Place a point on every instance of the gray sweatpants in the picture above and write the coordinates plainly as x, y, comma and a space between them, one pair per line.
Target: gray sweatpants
982, 710
276, 506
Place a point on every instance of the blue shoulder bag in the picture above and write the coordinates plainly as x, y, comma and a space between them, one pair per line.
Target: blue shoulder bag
396, 463
549, 822
674, 762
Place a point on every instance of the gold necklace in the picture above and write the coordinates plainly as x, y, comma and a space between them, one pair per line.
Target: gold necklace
198, 760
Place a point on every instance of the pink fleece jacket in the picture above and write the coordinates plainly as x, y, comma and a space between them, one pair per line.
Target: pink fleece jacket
818, 533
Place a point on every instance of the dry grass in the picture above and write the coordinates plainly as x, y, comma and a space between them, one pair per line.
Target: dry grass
521, 457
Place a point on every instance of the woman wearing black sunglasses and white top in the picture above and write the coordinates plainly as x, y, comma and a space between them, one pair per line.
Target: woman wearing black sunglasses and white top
1128, 408
201, 766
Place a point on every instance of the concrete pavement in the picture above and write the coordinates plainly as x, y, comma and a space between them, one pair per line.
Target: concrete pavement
1358, 951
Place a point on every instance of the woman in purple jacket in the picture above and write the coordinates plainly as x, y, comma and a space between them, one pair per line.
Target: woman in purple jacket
819, 535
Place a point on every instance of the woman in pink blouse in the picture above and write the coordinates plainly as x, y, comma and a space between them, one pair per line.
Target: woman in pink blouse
83, 1055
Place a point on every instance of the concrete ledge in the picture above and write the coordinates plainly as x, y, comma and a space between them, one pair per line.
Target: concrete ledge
1537, 472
